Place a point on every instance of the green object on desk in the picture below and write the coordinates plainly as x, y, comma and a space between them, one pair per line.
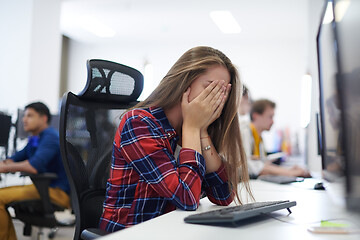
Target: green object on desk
332, 224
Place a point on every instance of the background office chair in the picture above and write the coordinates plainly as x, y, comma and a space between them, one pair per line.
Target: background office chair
5, 125
88, 122
39, 213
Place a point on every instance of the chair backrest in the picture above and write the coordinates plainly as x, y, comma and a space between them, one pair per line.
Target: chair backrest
5, 125
88, 123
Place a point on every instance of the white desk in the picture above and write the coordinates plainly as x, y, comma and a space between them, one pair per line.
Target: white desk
9, 179
312, 207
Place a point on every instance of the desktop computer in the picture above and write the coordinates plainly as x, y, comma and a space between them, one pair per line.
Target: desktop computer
339, 85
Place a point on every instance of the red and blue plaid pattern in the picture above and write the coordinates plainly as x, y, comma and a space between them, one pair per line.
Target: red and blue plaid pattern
147, 181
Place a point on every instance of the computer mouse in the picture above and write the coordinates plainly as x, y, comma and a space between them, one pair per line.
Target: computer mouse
319, 186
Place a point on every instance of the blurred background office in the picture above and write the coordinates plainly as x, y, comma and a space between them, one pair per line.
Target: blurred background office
45, 45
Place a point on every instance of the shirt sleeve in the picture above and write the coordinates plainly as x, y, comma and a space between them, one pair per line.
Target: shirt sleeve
246, 137
254, 166
45, 152
217, 187
146, 148
20, 155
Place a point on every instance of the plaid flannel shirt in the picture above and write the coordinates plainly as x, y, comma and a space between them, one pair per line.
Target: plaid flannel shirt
147, 181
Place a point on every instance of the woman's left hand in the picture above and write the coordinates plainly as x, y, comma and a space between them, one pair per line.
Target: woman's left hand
216, 114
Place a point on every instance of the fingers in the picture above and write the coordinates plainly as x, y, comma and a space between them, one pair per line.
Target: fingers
223, 97
215, 99
227, 92
211, 90
221, 105
217, 91
209, 102
207, 90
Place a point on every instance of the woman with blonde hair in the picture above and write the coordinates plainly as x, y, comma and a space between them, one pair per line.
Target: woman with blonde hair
195, 107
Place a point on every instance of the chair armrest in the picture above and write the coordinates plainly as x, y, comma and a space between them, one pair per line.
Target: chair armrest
50, 176
42, 182
93, 233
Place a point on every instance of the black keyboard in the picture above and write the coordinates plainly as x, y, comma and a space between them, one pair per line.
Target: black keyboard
236, 213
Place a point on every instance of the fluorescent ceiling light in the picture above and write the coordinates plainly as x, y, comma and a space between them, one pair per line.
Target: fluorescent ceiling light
329, 14
305, 100
94, 26
340, 9
225, 21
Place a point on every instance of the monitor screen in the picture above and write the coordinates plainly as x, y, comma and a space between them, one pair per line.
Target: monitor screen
347, 35
330, 109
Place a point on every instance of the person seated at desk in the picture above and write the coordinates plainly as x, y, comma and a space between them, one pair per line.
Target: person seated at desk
41, 154
261, 116
194, 106
244, 117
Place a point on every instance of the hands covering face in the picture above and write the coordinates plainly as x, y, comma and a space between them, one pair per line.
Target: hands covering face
207, 106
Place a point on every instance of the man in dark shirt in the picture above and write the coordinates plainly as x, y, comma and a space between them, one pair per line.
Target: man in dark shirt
41, 154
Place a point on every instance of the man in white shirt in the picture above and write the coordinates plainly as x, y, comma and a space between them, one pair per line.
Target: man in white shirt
261, 116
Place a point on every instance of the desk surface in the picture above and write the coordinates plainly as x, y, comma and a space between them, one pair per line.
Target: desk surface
13, 179
312, 207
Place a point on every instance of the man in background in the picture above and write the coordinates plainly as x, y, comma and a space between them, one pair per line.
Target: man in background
261, 116
41, 154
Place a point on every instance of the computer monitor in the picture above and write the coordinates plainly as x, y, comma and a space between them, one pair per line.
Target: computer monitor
339, 85
330, 110
347, 37
318, 134
20, 132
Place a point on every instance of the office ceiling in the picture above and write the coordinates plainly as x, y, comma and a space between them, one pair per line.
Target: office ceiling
166, 21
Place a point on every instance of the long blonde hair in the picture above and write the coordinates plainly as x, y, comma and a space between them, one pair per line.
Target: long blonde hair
225, 131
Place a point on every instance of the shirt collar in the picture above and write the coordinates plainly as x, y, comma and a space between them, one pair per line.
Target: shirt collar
34, 139
43, 131
159, 114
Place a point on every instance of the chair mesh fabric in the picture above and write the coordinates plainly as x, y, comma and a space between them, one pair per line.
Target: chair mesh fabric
111, 81
118, 84
90, 131
87, 128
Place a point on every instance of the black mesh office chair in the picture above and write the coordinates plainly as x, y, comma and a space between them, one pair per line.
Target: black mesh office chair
5, 126
88, 122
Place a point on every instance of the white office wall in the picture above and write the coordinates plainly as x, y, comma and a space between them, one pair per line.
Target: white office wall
270, 70
15, 28
45, 53
30, 49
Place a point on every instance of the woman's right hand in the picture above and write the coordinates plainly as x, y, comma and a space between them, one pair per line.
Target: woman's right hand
197, 113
